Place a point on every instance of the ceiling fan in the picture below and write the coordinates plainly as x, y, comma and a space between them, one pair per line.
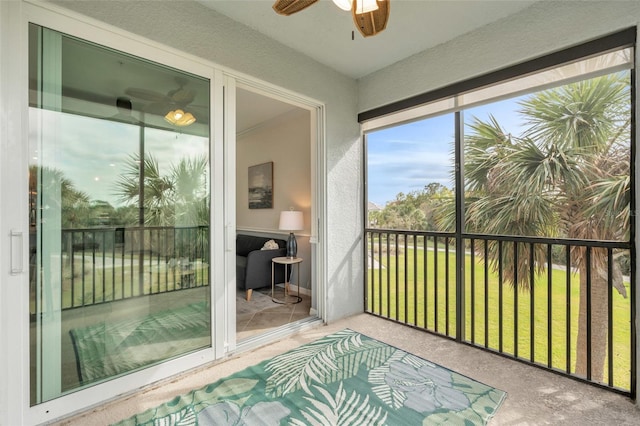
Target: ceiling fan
369, 16
172, 105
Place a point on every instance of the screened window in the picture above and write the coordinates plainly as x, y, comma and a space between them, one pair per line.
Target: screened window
530, 148
499, 211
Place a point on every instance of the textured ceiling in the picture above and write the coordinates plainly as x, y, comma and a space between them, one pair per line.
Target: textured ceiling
324, 32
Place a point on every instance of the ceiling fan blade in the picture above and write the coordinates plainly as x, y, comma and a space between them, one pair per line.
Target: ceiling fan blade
158, 108
182, 96
147, 95
371, 23
289, 7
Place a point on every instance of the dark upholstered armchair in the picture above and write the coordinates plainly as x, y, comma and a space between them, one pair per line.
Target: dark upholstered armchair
253, 265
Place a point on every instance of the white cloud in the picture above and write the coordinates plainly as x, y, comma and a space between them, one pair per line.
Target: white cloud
93, 153
406, 170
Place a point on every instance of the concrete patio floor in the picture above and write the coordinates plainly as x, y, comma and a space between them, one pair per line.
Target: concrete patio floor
535, 396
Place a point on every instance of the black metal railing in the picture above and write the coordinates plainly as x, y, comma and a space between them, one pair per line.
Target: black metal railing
561, 304
108, 264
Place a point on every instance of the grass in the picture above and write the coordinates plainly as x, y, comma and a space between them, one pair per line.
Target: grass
88, 285
422, 292
425, 296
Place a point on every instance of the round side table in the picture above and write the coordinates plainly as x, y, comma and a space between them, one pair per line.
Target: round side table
288, 263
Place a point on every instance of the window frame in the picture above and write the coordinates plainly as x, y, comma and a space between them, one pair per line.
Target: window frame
442, 101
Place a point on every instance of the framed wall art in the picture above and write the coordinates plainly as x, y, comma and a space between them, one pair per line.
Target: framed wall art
261, 186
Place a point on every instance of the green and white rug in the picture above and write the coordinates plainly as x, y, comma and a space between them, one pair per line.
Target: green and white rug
109, 348
342, 379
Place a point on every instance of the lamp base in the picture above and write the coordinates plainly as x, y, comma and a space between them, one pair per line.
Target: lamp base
292, 246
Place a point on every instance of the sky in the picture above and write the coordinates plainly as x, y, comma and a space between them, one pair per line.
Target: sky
405, 158
93, 153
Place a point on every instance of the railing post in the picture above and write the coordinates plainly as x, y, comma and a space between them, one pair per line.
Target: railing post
506, 332
459, 183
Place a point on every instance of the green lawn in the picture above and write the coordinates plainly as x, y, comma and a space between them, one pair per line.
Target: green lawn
121, 280
404, 300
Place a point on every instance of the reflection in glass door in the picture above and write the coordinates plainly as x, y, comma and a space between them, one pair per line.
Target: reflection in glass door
119, 185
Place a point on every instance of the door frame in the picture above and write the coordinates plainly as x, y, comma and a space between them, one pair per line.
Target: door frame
318, 175
14, 162
14, 132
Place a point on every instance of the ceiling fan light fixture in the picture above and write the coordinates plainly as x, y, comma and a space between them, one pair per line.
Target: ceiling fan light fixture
364, 6
369, 16
371, 23
343, 4
180, 118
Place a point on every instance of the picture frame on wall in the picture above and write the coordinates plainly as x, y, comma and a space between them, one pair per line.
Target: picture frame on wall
261, 186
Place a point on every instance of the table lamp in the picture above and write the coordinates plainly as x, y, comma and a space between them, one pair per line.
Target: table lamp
291, 221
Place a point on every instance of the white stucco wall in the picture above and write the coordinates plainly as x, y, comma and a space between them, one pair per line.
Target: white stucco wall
197, 30
541, 29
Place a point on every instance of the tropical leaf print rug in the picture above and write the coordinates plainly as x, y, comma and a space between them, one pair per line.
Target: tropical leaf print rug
345, 378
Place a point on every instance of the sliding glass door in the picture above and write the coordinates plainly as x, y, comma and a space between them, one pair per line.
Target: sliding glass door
119, 213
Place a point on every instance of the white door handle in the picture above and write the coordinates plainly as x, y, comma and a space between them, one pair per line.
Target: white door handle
17, 266
227, 239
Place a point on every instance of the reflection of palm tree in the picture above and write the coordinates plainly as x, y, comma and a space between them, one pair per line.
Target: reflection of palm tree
74, 204
49, 187
191, 192
179, 197
157, 191
567, 176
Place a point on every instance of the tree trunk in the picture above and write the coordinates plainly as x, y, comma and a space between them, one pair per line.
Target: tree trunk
599, 321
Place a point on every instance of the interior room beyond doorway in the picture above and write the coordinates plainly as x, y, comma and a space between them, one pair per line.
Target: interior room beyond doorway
273, 174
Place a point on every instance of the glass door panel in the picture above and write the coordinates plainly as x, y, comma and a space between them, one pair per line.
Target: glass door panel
119, 185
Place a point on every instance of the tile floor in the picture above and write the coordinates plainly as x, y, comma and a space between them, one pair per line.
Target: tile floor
262, 314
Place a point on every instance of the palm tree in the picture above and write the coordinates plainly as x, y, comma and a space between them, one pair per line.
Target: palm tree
191, 191
50, 186
157, 191
567, 175
73, 203
179, 197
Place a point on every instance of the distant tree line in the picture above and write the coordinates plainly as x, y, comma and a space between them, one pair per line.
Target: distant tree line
179, 196
415, 211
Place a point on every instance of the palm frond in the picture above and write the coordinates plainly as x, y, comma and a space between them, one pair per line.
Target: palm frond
377, 378
327, 360
326, 408
190, 179
484, 147
610, 206
566, 175
180, 196
184, 417
579, 115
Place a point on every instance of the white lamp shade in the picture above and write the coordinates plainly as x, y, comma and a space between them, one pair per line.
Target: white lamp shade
291, 221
